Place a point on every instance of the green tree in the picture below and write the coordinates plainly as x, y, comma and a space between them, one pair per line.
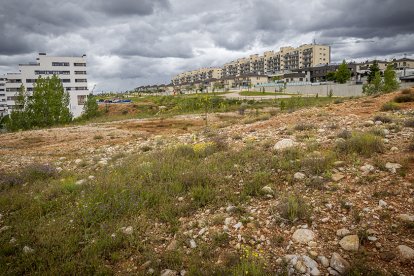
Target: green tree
91, 108
49, 105
330, 76
390, 79
343, 74
373, 69
375, 87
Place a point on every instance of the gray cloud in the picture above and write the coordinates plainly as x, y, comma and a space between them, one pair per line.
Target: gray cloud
130, 43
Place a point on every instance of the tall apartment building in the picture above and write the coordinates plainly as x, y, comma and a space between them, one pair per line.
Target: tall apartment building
198, 75
271, 63
3, 104
71, 71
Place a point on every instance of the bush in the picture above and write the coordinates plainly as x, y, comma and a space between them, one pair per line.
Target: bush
202, 195
345, 134
409, 123
294, 207
362, 143
317, 164
304, 126
390, 106
383, 119
404, 98
258, 181
406, 91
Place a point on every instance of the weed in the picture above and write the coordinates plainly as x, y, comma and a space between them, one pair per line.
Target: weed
409, 123
202, 195
317, 163
294, 207
390, 106
98, 137
220, 239
406, 96
304, 126
345, 134
382, 118
362, 143
258, 181
251, 263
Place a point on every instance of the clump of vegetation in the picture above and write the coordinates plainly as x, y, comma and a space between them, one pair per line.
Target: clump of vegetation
48, 106
304, 126
382, 118
345, 134
91, 108
256, 183
294, 207
378, 85
390, 106
409, 123
411, 145
251, 263
407, 95
317, 164
361, 143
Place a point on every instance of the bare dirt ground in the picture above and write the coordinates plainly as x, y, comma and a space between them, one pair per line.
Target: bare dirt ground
94, 145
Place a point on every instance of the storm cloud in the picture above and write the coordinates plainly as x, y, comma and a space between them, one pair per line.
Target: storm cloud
130, 43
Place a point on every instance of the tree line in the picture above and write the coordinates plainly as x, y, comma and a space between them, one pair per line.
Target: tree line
47, 106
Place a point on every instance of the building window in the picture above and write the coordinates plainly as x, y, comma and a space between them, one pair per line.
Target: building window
66, 80
60, 63
81, 99
81, 88
80, 72
80, 64
30, 80
80, 80
40, 72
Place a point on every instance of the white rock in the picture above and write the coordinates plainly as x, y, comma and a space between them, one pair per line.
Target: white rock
300, 266
394, 149
350, 243
343, 232
231, 209
337, 176
333, 272
227, 221
382, 203
91, 177
339, 264
299, 176
367, 168
127, 230
369, 123
193, 244
303, 235
267, 190
403, 217
323, 260
405, 252
168, 272
284, 144
392, 167
80, 182
27, 250
78, 161
238, 225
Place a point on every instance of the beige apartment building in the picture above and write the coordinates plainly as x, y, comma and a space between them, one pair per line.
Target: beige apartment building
270, 63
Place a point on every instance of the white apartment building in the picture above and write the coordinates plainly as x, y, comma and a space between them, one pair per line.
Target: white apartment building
71, 70
3, 104
270, 63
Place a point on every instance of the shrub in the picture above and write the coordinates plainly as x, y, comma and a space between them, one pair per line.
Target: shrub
294, 207
406, 91
202, 195
258, 181
409, 123
345, 134
316, 164
36, 172
304, 126
404, 98
383, 119
362, 143
390, 106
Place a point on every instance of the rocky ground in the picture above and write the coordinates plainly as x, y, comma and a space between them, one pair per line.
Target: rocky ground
365, 209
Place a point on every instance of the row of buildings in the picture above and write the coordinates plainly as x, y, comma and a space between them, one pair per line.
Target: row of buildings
268, 64
71, 70
303, 65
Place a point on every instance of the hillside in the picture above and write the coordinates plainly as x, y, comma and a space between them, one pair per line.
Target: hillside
315, 190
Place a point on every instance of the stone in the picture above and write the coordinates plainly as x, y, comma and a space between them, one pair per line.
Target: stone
392, 167
367, 168
337, 176
387, 256
339, 264
323, 260
382, 203
127, 230
145, 265
299, 176
350, 243
339, 163
193, 244
394, 149
300, 266
369, 123
91, 177
227, 221
333, 271
238, 225
303, 236
343, 232
284, 144
78, 161
168, 272
172, 246
27, 250
405, 252
80, 182
231, 209
378, 123
402, 217
267, 190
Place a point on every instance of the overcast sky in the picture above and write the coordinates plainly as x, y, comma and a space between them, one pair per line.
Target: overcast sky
137, 42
